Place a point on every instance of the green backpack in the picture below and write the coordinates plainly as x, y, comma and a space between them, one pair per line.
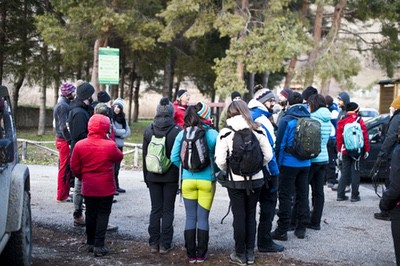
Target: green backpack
156, 159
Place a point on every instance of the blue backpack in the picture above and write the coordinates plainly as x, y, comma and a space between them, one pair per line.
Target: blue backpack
353, 139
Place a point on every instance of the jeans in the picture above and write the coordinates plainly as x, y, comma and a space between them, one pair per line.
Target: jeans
244, 218
78, 199
161, 227
317, 180
267, 212
395, 220
331, 176
98, 211
350, 174
63, 183
293, 180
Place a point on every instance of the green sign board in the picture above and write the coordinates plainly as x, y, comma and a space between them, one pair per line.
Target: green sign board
108, 65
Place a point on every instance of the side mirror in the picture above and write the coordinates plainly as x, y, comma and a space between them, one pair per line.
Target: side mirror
6, 151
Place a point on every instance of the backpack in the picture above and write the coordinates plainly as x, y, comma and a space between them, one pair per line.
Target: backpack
353, 138
156, 158
194, 149
307, 139
246, 158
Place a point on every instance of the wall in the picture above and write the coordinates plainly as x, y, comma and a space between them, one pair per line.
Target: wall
28, 117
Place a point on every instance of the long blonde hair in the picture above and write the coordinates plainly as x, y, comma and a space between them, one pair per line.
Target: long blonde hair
239, 107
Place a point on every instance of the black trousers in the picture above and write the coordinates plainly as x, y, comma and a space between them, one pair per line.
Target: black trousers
267, 201
395, 219
98, 211
350, 175
331, 176
317, 180
161, 227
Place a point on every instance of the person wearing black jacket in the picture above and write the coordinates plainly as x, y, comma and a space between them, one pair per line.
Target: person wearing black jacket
388, 145
162, 187
390, 201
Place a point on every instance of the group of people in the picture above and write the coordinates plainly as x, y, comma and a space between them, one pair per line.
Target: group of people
283, 175
90, 138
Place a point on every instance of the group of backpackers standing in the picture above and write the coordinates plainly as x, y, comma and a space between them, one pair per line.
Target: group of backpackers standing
257, 158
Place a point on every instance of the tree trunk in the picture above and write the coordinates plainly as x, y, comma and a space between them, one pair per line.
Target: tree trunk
240, 67
131, 84
3, 7
42, 104
169, 71
100, 42
136, 100
265, 79
122, 72
15, 93
251, 81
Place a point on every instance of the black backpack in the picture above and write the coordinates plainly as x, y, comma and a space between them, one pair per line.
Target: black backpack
194, 149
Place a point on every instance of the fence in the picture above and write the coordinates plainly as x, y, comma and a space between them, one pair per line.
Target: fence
132, 148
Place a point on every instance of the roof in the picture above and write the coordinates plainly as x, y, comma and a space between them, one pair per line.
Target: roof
388, 81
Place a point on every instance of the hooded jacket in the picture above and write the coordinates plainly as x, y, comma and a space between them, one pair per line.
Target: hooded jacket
390, 137
120, 132
285, 136
346, 99
93, 159
179, 113
349, 118
261, 115
78, 119
225, 145
60, 114
390, 197
323, 115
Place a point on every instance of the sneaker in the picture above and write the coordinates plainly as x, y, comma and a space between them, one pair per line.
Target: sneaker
335, 187
277, 235
164, 250
79, 221
385, 216
300, 233
100, 251
250, 256
355, 199
112, 228
273, 248
330, 185
201, 259
342, 198
192, 260
314, 226
90, 248
154, 248
235, 259
121, 190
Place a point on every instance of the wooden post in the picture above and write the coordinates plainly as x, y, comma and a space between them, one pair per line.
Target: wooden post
24, 150
136, 156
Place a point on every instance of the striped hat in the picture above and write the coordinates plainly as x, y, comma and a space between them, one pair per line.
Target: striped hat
204, 111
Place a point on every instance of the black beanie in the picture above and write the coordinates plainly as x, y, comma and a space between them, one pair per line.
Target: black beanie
165, 108
235, 94
103, 97
84, 91
352, 107
295, 98
308, 92
180, 93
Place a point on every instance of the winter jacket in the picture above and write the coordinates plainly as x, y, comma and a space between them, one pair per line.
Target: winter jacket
346, 99
93, 159
323, 115
334, 109
121, 133
78, 119
179, 113
207, 173
390, 137
285, 136
225, 145
159, 127
60, 115
350, 117
263, 115
391, 196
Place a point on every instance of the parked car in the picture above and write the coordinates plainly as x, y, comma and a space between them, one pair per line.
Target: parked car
368, 113
377, 128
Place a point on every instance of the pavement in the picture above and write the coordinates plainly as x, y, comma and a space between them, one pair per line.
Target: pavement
349, 234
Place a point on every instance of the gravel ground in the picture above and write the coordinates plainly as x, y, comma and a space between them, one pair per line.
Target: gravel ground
349, 234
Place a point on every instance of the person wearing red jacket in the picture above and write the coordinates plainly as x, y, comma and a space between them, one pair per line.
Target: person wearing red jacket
350, 165
92, 162
180, 105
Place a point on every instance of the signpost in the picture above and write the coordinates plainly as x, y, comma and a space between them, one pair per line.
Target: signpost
108, 66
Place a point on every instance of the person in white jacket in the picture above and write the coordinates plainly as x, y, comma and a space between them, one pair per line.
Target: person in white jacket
243, 203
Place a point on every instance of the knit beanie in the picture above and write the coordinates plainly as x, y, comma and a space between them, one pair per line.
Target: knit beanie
344, 96
264, 95
204, 110
295, 98
286, 92
235, 94
84, 91
67, 88
396, 103
352, 107
120, 102
165, 108
180, 94
308, 92
103, 97
101, 108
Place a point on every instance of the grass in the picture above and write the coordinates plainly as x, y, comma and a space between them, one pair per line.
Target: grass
36, 155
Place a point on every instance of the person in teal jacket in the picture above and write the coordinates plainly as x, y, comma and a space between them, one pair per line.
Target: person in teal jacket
316, 176
198, 188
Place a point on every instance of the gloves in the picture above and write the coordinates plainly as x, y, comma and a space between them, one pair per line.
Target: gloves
366, 155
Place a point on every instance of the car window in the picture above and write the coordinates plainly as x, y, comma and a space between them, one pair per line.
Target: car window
375, 133
368, 113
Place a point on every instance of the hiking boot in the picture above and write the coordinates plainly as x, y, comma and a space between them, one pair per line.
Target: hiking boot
164, 250
121, 190
314, 226
154, 248
90, 248
300, 233
278, 235
272, 249
355, 199
250, 256
112, 228
238, 260
342, 198
100, 251
382, 216
79, 221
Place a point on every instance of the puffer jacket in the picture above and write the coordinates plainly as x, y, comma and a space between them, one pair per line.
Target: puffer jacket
349, 118
60, 115
391, 196
262, 115
78, 119
207, 173
225, 145
323, 115
93, 159
121, 133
